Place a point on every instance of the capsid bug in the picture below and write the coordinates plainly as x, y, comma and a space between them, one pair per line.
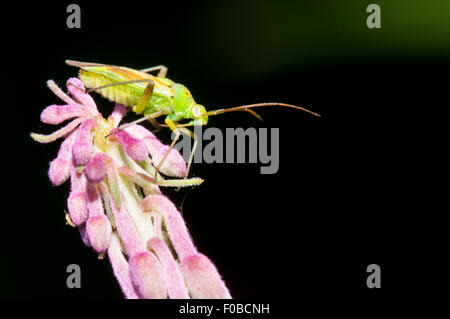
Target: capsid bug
154, 96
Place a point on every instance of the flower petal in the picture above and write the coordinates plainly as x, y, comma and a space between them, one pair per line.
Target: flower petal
57, 134
171, 273
59, 93
125, 225
178, 233
144, 181
77, 89
118, 113
121, 268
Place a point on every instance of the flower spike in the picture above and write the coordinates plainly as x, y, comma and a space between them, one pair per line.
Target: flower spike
118, 207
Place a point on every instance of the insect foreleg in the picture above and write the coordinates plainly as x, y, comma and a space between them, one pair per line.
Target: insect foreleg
162, 70
144, 118
174, 129
194, 147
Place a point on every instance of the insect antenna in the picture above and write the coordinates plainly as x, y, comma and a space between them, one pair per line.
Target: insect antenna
249, 107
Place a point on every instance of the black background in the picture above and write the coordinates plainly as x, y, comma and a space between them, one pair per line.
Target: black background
358, 186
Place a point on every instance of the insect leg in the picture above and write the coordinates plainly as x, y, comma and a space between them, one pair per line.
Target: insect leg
142, 119
194, 147
162, 70
174, 129
155, 123
143, 101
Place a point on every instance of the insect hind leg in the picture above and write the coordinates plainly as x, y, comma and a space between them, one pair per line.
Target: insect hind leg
161, 68
143, 101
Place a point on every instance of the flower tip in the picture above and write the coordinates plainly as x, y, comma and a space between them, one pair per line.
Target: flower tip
95, 170
81, 153
99, 231
59, 171
147, 277
135, 148
202, 278
75, 83
138, 151
77, 208
174, 165
39, 137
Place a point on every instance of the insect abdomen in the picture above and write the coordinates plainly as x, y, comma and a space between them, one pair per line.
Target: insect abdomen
122, 94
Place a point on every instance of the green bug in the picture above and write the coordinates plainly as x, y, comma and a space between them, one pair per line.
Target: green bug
154, 96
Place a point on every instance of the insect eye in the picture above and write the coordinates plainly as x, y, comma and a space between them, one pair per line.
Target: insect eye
196, 111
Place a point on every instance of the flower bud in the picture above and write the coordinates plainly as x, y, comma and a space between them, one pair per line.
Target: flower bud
146, 274
95, 170
55, 114
202, 278
82, 148
76, 204
135, 148
99, 231
59, 170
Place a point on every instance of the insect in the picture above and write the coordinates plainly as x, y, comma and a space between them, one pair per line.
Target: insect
155, 96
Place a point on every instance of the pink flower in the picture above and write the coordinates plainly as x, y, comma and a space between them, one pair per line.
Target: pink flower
118, 206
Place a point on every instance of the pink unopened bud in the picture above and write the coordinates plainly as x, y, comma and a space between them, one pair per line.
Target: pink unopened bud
98, 226
76, 204
147, 277
95, 170
135, 148
59, 170
202, 278
82, 148
55, 114
99, 231
174, 164
94, 201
